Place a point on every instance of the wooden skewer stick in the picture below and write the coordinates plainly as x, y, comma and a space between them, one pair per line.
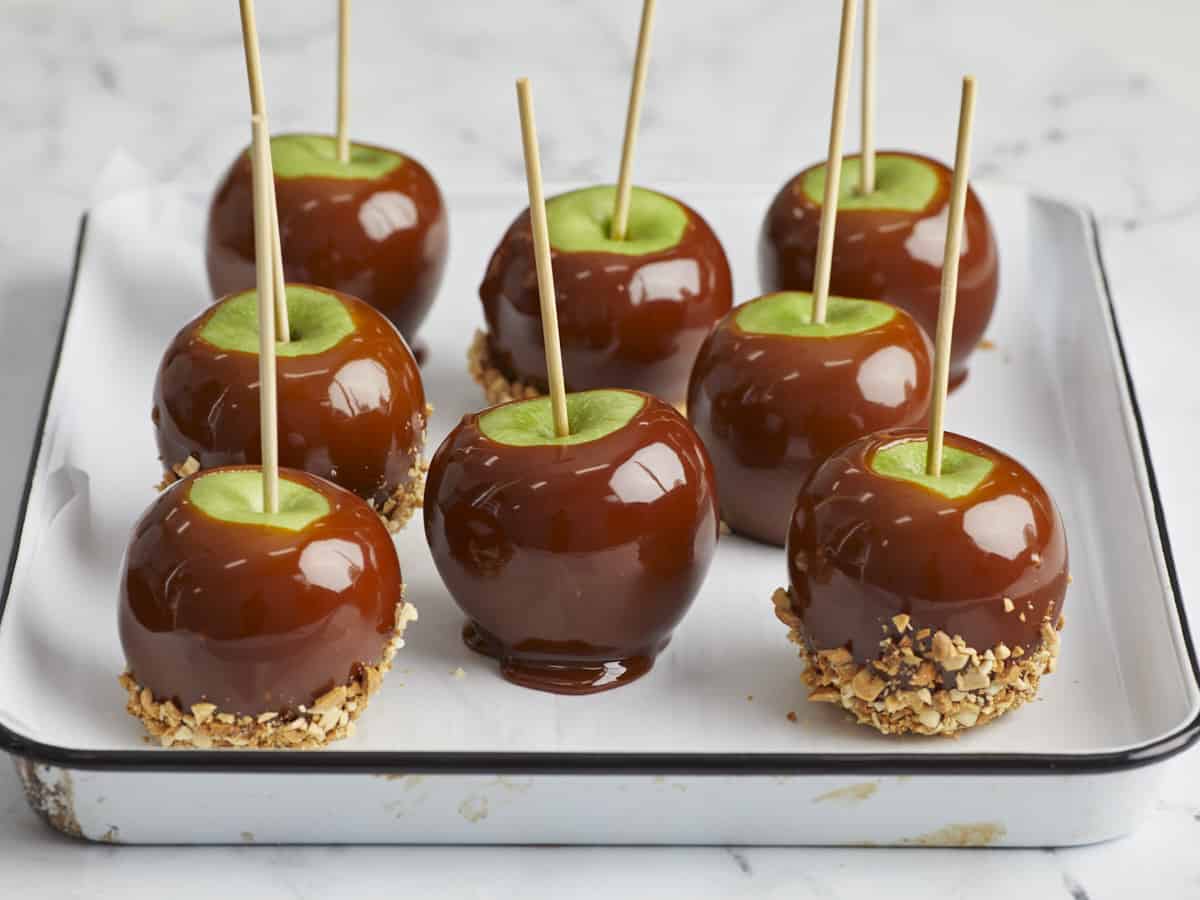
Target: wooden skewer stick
258, 107
253, 62
267, 402
620, 219
343, 84
833, 166
945, 322
283, 329
866, 172
541, 254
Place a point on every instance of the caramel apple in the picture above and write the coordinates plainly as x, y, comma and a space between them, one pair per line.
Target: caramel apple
250, 629
373, 227
631, 312
922, 603
773, 393
351, 405
573, 557
888, 245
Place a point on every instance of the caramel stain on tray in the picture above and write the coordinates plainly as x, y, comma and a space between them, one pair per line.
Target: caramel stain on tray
409, 800
520, 787
968, 834
673, 785
987, 344
52, 799
495, 794
474, 808
850, 795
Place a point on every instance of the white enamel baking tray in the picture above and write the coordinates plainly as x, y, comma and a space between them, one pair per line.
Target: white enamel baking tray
699, 751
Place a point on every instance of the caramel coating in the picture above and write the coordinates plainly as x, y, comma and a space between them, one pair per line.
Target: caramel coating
354, 414
890, 255
252, 618
573, 563
864, 548
770, 407
383, 239
624, 321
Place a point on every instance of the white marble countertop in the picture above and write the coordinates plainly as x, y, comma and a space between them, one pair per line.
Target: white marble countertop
1091, 101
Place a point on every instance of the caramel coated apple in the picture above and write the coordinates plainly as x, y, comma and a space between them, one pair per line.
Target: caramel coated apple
374, 227
889, 245
351, 404
772, 395
631, 313
246, 622
573, 558
924, 604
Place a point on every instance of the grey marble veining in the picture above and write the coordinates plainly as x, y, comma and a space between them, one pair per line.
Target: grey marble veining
1070, 104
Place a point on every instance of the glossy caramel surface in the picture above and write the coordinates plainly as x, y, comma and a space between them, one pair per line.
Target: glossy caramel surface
354, 414
863, 548
770, 407
251, 618
383, 240
890, 255
624, 321
573, 563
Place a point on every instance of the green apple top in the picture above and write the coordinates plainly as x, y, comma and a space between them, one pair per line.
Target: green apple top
315, 156
530, 423
581, 222
789, 314
962, 471
902, 183
317, 318
236, 496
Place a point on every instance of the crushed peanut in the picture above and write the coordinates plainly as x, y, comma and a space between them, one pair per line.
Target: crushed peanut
406, 499
395, 511
498, 387
330, 718
867, 685
178, 472
935, 683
